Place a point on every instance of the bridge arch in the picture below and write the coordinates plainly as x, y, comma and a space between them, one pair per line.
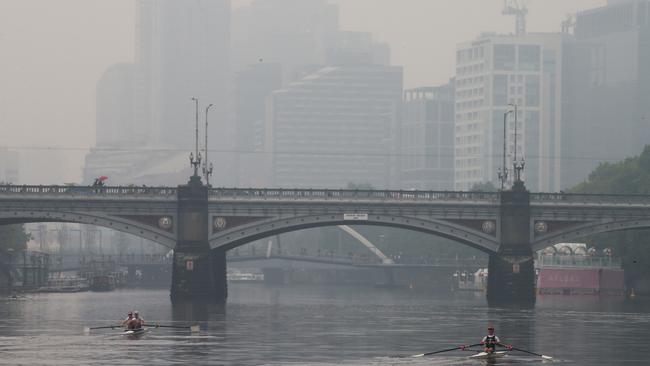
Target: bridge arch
240, 235
595, 227
139, 229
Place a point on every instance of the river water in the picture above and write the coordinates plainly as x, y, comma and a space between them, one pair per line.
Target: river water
318, 326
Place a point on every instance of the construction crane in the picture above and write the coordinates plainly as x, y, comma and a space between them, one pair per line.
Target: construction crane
568, 25
519, 9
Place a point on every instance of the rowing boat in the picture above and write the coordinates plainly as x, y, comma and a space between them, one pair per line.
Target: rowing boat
488, 356
135, 333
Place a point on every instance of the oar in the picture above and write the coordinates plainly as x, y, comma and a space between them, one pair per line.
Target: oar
192, 328
445, 350
87, 329
532, 353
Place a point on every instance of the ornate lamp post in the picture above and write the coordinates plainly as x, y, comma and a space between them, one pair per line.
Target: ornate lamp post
195, 159
517, 165
502, 173
207, 170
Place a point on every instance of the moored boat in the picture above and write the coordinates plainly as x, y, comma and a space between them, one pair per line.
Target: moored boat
102, 283
575, 269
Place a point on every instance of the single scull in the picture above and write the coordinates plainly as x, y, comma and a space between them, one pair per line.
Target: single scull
488, 356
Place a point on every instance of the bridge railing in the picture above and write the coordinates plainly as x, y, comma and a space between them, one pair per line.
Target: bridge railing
595, 199
158, 192
578, 261
347, 194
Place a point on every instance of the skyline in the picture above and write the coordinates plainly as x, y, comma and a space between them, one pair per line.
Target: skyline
35, 114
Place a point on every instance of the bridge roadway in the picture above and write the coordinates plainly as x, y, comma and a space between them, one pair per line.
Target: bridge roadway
194, 219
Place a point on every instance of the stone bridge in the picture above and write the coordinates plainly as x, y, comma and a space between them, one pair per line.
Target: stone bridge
202, 223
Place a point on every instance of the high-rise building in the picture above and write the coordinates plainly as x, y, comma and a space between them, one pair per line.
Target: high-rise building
115, 108
183, 50
607, 87
347, 47
493, 74
292, 33
427, 138
253, 87
336, 126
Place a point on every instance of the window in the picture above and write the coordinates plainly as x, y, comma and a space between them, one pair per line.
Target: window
532, 91
504, 57
549, 61
500, 90
529, 58
431, 111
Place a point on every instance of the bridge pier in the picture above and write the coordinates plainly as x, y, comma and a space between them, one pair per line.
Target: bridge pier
198, 274
220, 280
511, 272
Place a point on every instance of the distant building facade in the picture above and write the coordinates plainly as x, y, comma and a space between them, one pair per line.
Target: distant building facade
253, 88
115, 108
336, 126
608, 88
182, 51
494, 73
427, 138
292, 33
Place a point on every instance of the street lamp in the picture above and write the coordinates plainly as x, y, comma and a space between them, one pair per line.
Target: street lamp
207, 171
195, 160
502, 172
517, 165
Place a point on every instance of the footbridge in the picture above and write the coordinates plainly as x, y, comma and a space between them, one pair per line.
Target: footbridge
201, 223
281, 261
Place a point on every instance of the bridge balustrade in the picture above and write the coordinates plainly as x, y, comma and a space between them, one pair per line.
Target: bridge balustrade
217, 194
119, 191
589, 199
574, 261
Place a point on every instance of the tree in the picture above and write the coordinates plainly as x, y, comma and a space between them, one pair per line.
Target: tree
13, 237
360, 186
484, 187
630, 176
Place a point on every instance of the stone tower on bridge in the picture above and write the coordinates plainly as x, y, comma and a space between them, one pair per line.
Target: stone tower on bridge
511, 272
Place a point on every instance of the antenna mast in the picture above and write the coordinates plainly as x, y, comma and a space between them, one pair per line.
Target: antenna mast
519, 9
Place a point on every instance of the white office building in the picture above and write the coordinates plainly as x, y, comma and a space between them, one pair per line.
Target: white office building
335, 126
494, 73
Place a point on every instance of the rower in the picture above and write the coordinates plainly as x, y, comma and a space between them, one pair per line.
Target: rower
127, 322
139, 322
490, 341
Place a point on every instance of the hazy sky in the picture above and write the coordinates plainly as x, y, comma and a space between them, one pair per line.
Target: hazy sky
52, 52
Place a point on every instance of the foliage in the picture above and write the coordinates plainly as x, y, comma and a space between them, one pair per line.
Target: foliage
360, 186
630, 176
484, 187
13, 238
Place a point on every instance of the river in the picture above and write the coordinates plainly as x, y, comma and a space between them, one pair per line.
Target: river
318, 326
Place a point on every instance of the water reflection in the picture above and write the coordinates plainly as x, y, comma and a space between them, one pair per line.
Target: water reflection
317, 326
